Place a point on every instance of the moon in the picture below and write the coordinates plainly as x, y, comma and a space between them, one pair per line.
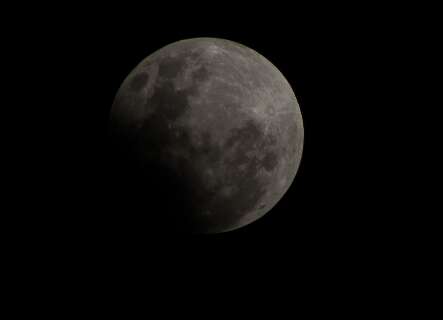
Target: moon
213, 133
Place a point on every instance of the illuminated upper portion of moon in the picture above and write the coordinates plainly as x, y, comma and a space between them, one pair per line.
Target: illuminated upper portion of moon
222, 115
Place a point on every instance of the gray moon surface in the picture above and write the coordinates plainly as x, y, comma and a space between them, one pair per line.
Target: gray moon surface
222, 121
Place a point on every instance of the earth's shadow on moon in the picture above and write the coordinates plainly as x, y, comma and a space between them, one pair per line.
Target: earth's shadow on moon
149, 198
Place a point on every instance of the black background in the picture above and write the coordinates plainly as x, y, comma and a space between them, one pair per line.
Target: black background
343, 222
331, 59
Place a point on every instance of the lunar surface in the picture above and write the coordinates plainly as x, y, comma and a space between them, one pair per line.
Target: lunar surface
212, 131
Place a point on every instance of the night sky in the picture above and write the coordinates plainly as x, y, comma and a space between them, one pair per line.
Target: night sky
85, 54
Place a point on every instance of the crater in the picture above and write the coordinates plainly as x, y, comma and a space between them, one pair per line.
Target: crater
169, 67
270, 111
247, 135
270, 161
201, 74
139, 81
